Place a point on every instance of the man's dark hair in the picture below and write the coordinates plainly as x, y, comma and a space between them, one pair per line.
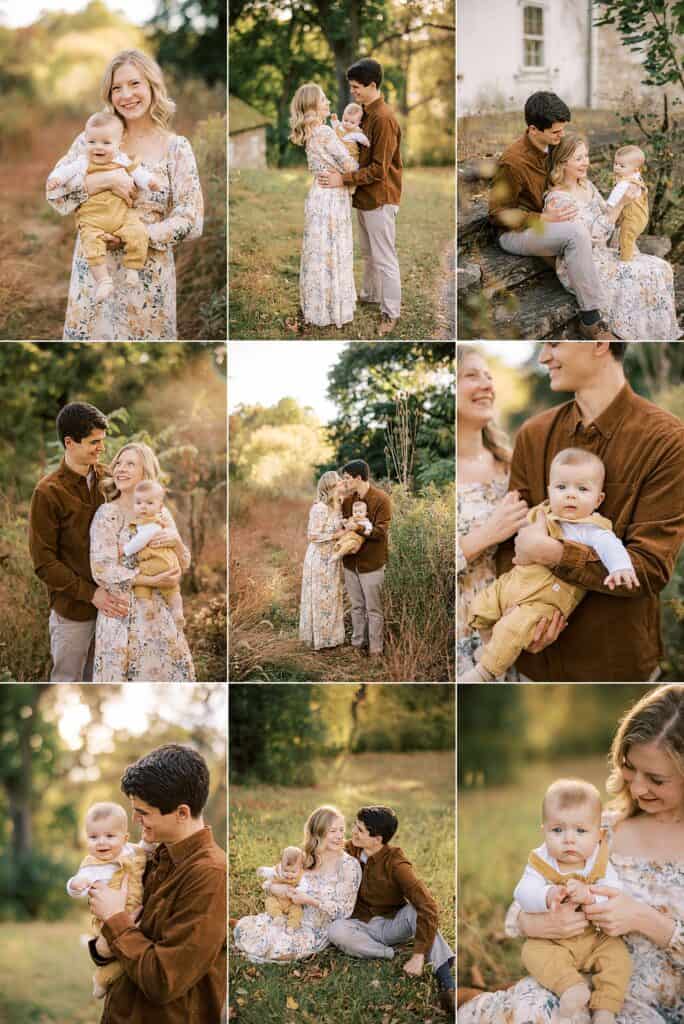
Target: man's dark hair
618, 349
167, 777
379, 821
78, 419
357, 467
542, 109
365, 71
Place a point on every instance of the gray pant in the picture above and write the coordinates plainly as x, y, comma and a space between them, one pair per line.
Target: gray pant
381, 277
375, 938
365, 594
566, 238
72, 648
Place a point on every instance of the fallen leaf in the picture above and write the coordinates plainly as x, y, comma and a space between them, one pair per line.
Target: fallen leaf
476, 977
291, 1003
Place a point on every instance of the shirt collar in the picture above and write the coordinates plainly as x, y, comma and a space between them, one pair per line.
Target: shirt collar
178, 852
68, 473
370, 106
537, 153
609, 420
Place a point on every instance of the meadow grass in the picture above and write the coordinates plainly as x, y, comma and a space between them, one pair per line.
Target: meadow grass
266, 226
331, 987
497, 828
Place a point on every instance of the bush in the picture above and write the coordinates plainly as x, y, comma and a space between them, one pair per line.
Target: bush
33, 887
24, 641
206, 632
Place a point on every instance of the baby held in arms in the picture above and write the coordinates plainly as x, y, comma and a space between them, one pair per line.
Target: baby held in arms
349, 541
288, 899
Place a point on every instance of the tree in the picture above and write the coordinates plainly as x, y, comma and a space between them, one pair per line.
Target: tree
191, 36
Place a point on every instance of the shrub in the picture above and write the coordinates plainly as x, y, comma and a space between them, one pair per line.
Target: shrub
33, 887
206, 632
24, 642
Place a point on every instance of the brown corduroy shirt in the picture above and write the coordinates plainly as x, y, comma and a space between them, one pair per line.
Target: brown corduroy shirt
62, 509
387, 883
612, 636
378, 179
372, 554
175, 960
516, 195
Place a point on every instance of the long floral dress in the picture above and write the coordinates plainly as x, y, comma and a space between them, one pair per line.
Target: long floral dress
656, 989
321, 616
172, 214
327, 293
264, 939
144, 645
476, 503
639, 299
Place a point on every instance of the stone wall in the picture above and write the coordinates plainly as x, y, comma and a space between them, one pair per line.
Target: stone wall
247, 150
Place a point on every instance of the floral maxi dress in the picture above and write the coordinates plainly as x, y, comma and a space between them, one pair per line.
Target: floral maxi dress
327, 294
174, 213
144, 645
321, 616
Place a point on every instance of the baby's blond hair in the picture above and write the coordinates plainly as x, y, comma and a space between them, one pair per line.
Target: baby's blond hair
632, 153
150, 487
353, 108
103, 117
565, 793
104, 809
291, 855
575, 457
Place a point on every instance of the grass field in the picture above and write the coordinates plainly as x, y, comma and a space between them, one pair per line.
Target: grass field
266, 225
497, 828
331, 988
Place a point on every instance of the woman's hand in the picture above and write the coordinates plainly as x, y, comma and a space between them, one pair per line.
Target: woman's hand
166, 538
167, 579
509, 516
302, 899
119, 182
564, 923
618, 914
113, 241
554, 214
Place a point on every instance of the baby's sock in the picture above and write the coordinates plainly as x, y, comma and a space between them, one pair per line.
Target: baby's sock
604, 1017
573, 1000
132, 277
103, 289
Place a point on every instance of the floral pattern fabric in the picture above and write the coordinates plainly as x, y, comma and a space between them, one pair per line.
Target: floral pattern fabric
321, 616
172, 214
144, 645
264, 939
639, 299
476, 503
327, 293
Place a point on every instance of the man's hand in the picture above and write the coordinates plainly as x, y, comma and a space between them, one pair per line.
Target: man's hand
555, 894
105, 902
622, 578
113, 605
546, 633
414, 966
330, 179
533, 546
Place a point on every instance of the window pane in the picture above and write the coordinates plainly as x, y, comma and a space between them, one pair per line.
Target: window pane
534, 53
533, 21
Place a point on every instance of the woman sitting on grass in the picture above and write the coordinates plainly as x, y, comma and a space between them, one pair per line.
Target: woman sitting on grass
326, 892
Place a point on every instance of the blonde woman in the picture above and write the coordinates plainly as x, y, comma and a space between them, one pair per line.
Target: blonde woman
327, 293
133, 88
144, 645
327, 892
638, 293
321, 615
646, 830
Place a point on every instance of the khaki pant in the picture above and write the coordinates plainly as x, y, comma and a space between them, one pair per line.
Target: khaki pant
381, 277
107, 213
365, 594
556, 964
377, 937
72, 648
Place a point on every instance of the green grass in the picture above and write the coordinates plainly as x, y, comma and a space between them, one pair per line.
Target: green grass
332, 988
266, 225
497, 828
45, 974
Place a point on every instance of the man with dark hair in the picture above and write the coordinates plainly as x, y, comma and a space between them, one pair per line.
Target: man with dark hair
378, 192
62, 509
614, 635
516, 209
174, 957
364, 571
392, 905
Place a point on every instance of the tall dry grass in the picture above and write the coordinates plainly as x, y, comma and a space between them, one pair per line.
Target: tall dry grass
24, 642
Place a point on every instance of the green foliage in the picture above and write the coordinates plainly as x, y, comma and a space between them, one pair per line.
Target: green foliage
191, 37
33, 886
653, 28
24, 647
406, 718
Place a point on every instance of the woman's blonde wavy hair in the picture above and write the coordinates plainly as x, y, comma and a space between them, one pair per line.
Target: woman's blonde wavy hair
150, 466
315, 829
560, 156
325, 489
304, 115
493, 437
162, 108
657, 718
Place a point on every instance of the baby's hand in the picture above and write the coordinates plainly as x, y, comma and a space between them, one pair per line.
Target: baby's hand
623, 577
555, 895
79, 884
578, 891
154, 185
334, 120
102, 946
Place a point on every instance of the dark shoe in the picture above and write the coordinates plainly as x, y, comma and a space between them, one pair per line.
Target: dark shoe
387, 325
368, 302
447, 1000
599, 331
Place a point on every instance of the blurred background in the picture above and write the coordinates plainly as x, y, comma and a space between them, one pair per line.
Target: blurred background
171, 396
323, 404
53, 54
293, 748
63, 748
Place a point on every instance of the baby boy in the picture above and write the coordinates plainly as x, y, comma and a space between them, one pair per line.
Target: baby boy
350, 541
104, 212
634, 217
288, 872
147, 523
111, 858
506, 613
574, 856
349, 131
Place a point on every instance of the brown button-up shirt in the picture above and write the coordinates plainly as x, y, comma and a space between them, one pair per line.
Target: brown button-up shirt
612, 636
62, 509
372, 554
175, 961
516, 195
378, 179
387, 883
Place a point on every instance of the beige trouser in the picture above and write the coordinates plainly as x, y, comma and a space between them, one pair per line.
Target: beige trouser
365, 594
556, 964
381, 277
571, 240
72, 648
109, 213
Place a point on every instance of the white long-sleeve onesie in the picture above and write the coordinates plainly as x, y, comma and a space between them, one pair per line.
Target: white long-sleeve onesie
530, 892
63, 175
143, 536
607, 546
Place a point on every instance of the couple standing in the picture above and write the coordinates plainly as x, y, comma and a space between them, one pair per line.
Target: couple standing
371, 183
542, 203
109, 621
337, 511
